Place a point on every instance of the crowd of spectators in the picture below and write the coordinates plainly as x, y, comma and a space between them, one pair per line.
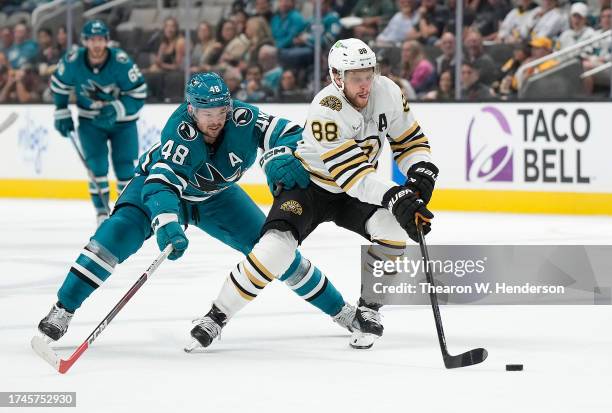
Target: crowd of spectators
264, 49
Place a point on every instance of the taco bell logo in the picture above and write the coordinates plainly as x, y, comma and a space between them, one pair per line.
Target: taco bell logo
489, 155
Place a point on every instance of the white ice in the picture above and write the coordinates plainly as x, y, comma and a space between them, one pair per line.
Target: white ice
280, 354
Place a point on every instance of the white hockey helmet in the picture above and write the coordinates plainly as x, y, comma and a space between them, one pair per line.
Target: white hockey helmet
349, 54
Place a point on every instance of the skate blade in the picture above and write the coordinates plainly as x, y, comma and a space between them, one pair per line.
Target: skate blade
192, 346
362, 341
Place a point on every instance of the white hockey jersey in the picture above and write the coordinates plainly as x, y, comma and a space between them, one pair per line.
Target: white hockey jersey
341, 145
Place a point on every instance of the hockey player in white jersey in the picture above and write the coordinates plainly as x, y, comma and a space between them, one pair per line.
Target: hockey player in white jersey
348, 122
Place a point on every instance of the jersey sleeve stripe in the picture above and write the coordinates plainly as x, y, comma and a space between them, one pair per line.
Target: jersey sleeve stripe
410, 144
161, 179
355, 159
360, 173
61, 84
339, 151
357, 163
408, 133
269, 132
401, 156
165, 167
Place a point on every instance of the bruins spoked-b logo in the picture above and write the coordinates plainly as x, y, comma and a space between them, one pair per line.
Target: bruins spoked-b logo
242, 116
187, 131
331, 102
292, 206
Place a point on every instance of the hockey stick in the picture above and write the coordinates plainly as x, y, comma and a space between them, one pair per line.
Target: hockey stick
11, 118
92, 178
42, 348
468, 358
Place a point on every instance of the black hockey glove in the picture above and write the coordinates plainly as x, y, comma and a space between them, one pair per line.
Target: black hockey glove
421, 179
407, 207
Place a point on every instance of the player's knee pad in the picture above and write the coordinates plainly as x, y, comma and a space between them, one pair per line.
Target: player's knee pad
383, 228
98, 165
124, 232
271, 257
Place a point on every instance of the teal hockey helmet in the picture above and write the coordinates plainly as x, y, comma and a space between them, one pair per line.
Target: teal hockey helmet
207, 90
94, 28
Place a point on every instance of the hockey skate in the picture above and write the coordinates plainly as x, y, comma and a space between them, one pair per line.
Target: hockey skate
345, 317
55, 324
207, 329
367, 326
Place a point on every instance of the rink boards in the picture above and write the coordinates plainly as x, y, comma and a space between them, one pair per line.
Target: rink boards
507, 157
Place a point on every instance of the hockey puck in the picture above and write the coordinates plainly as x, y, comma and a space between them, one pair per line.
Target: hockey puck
514, 367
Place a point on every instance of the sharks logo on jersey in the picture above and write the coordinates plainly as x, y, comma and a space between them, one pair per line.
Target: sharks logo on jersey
217, 182
95, 92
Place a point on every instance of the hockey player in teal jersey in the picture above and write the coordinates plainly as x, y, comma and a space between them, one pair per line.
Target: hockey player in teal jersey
110, 91
190, 178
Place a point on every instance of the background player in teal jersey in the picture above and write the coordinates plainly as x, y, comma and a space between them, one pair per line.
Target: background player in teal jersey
190, 177
110, 91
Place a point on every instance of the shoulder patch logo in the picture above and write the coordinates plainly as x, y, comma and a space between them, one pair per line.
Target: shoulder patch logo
331, 102
122, 57
292, 206
187, 131
242, 116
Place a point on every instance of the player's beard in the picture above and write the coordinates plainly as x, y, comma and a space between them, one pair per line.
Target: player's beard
97, 53
211, 132
358, 101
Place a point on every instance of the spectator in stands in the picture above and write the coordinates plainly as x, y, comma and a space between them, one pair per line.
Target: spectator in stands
468, 18
239, 18
506, 85
61, 40
416, 68
514, 28
288, 88
578, 30
171, 52
540, 47
601, 54
475, 54
433, 19
388, 70
226, 32
302, 54
233, 79
235, 50
205, 49
400, 24
446, 61
375, 15
6, 37
547, 21
20, 85
445, 90
48, 55
268, 59
473, 89
24, 50
488, 16
258, 32
264, 9
287, 23
254, 90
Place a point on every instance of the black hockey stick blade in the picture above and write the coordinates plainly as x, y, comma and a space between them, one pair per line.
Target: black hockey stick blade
469, 358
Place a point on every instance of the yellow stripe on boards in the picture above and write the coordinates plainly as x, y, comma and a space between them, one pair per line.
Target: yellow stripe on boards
588, 203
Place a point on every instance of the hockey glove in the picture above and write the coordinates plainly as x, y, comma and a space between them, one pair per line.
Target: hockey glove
282, 168
63, 121
169, 231
106, 118
407, 208
421, 179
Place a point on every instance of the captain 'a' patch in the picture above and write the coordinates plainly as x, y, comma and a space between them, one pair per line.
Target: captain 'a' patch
242, 116
187, 131
331, 102
292, 206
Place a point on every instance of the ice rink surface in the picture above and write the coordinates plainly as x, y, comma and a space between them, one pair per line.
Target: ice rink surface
280, 354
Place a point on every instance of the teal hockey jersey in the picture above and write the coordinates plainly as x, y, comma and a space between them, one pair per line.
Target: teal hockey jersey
117, 82
183, 166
